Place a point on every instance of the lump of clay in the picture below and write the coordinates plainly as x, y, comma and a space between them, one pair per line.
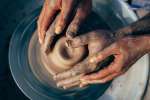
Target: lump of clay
62, 58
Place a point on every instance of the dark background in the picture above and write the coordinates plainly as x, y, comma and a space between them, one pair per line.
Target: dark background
11, 13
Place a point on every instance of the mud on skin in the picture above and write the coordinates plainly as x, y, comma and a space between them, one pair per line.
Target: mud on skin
121, 49
96, 41
72, 14
132, 42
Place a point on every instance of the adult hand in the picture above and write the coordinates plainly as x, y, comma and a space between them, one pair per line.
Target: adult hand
126, 52
96, 41
67, 8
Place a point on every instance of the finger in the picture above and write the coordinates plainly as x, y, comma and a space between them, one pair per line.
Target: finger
78, 41
108, 78
76, 70
105, 79
48, 18
83, 84
71, 85
48, 42
45, 24
67, 7
64, 75
68, 81
50, 34
114, 67
82, 12
39, 22
95, 76
102, 55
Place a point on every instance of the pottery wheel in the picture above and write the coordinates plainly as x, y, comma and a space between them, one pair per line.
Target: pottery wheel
33, 75
34, 81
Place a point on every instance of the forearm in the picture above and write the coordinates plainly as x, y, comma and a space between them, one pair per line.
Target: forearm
147, 41
140, 27
144, 43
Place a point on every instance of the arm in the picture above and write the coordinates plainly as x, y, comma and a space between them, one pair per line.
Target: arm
140, 27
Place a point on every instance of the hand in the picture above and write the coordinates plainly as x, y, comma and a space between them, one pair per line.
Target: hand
96, 41
126, 52
80, 9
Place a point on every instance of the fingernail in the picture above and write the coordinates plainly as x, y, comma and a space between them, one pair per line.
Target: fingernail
58, 29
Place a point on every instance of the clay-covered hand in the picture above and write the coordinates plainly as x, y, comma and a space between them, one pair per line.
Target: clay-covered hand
72, 12
126, 52
95, 41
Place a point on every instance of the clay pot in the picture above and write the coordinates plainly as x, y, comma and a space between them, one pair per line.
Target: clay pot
62, 57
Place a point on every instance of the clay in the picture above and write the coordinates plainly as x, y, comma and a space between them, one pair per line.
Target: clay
61, 57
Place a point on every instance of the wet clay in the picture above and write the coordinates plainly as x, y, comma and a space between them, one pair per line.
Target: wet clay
61, 57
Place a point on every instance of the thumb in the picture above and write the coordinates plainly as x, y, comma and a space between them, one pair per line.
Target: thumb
78, 41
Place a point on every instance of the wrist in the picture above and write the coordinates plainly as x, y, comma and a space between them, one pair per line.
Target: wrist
146, 43
123, 32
